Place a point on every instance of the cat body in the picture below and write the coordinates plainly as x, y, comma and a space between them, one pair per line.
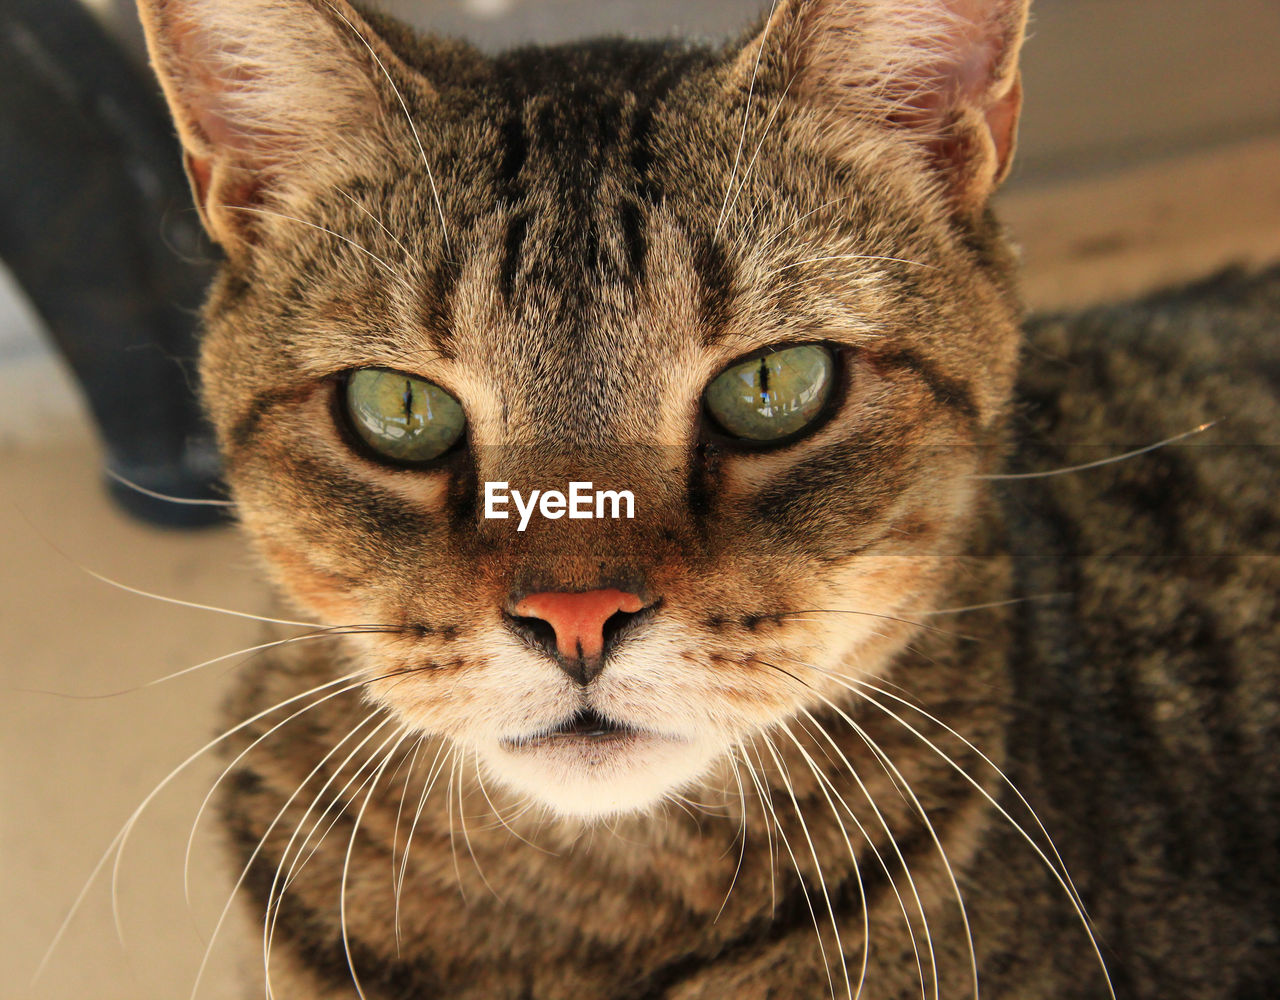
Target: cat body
1128, 696
740, 779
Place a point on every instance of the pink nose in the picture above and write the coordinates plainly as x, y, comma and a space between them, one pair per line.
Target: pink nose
578, 619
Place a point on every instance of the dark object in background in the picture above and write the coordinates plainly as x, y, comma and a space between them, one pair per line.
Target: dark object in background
96, 224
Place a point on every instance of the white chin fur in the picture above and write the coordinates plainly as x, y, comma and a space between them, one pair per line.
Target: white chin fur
590, 781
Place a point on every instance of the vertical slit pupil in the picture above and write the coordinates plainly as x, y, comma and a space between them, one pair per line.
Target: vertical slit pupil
408, 401
764, 379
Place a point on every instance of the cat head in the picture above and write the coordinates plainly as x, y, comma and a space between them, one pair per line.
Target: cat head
759, 290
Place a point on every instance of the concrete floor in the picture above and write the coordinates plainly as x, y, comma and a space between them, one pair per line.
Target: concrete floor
1177, 174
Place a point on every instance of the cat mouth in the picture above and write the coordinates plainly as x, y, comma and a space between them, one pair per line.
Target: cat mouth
589, 765
585, 726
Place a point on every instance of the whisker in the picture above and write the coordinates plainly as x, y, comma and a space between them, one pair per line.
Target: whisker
435, 193
204, 804
498, 813
852, 256
154, 494
1102, 461
791, 225
823, 782
117, 841
247, 652
235, 889
933, 835
433, 773
992, 604
138, 592
789, 615
746, 174
275, 898
1060, 873
311, 225
906, 869
466, 837
742, 836
904, 787
381, 225
757, 782
101, 578
115, 869
395, 827
822, 882
746, 117
346, 863
892, 839
685, 806
453, 848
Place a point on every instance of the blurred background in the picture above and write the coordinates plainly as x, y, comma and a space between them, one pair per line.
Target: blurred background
1149, 155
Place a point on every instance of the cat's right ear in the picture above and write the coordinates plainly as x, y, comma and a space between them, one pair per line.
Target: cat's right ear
269, 97
941, 76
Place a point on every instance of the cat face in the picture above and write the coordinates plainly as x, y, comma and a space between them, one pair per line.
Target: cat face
583, 255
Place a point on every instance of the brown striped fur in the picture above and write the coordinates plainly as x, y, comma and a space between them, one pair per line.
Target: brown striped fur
573, 241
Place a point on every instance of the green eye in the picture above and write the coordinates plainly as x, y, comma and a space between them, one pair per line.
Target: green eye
403, 418
774, 395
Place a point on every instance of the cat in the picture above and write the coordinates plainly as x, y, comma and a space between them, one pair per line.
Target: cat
846, 708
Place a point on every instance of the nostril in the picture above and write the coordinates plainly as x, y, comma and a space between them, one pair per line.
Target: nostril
534, 631
622, 624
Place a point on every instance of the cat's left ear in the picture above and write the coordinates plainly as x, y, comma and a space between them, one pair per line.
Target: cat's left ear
272, 98
942, 74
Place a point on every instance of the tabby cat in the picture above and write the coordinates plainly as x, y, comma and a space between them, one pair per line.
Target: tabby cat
841, 709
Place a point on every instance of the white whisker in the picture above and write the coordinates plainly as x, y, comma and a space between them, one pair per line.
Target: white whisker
498, 813
433, 773
185, 501
742, 836
195, 604
906, 869
746, 174
204, 804
118, 840
791, 225
312, 225
746, 117
823, 783
852, 256
466, 837
381, 225
346, 861
244, 872
757, 782
395, 827
275, 899
1059, 870
1102, 461
431, 179
933, 835
822, 881
987, 605
453, 848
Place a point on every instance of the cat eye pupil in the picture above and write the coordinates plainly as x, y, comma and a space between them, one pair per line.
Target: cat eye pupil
402, 418
774, 396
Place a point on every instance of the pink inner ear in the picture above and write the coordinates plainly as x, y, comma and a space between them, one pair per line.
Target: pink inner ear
214, 75
957, 66
1002, 121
